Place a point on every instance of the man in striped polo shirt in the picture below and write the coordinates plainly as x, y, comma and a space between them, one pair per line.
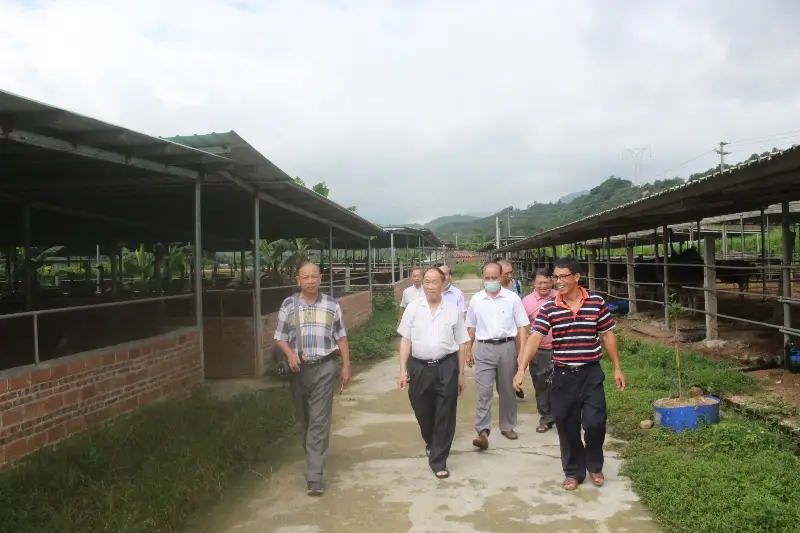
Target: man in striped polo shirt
577, 320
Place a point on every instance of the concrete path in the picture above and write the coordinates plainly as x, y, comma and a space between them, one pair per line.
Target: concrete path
378, 480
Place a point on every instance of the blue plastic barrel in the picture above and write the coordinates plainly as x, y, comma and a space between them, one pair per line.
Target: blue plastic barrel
681, 418
619, 307
793, 360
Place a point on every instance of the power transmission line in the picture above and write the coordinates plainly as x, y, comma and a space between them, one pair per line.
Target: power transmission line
766, 137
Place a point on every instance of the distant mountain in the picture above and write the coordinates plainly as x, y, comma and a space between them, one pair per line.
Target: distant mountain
537, 217
436, 223
571, 196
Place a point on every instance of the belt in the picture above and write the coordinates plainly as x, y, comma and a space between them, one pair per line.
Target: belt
576, 368
434, 362
497, 341
318, 360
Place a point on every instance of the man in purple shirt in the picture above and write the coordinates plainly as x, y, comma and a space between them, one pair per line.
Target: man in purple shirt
451, 293
542, 365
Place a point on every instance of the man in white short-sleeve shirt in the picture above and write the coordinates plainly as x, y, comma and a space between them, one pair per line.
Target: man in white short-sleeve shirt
433, 353
497, 320
411, 293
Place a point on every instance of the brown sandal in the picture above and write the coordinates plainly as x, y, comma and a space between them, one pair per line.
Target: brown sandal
597, 478
543, 428
570, 483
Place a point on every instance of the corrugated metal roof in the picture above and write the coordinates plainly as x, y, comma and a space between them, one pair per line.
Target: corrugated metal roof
251, 164
255, 169
18, 113
742, 187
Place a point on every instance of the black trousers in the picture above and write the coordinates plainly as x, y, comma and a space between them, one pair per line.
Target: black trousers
541, 369
433, 392
577, 399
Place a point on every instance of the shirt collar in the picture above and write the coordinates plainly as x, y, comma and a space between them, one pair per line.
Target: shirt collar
499, 294
427, 304
560, 300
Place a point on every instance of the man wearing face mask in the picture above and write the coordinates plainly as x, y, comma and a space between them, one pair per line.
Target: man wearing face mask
497, 320
451, 293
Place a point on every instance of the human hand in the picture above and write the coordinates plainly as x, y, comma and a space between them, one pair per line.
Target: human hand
519, 379
462, 384
402, 380
470, 360
620, 379
344, 376
294, 361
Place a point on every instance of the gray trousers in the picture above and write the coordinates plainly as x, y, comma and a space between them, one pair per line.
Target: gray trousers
312, 392
541, 369
495, 363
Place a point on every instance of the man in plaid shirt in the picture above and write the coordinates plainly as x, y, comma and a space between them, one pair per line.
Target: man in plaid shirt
322, 335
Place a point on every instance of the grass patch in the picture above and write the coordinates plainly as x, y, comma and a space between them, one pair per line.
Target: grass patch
735, 476
460, 270
374, 340
145, 472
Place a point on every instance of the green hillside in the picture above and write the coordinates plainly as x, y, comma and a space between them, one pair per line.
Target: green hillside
437, 223
538, 217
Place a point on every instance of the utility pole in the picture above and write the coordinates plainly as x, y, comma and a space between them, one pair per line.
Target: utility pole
497, 232
508, 222
722, 153
637, 154
456, 236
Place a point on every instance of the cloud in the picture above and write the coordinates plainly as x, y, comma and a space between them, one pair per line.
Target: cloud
414, 109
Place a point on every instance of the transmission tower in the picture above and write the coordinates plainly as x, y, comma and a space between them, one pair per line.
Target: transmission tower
637, 154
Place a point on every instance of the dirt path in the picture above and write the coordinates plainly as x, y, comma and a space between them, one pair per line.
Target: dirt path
378, 480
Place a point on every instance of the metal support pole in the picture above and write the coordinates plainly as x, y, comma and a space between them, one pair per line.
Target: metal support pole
764, 272
27, 264
97, 269
741, 230
592, 270
631, 278
786, 263
114, 275
394, 262
36, 339
608, 266
330, 249
369, 263
666, 275
257, 284
710, 286
724, 240
198, 270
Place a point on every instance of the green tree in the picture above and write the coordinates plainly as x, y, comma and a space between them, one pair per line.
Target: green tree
321, 188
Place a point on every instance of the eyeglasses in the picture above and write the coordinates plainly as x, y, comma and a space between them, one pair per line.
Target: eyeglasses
562, 277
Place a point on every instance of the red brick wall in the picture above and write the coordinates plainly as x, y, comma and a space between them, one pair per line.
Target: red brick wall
400, 286
40, 405
356, 308
229, 347
268, 323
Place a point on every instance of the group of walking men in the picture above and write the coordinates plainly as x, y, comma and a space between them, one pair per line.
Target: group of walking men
439, 335
439, 332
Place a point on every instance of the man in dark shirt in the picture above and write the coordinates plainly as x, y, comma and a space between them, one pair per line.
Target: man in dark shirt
577, 320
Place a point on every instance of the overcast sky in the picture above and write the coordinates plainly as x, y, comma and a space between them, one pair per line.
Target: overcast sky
411, 109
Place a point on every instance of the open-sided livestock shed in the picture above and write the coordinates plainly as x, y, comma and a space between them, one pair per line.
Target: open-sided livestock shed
72, 357
755, 189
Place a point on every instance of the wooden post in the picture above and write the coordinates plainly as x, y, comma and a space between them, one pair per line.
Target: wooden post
667, 250
631, 279
592, 270
786, 265
710, 288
